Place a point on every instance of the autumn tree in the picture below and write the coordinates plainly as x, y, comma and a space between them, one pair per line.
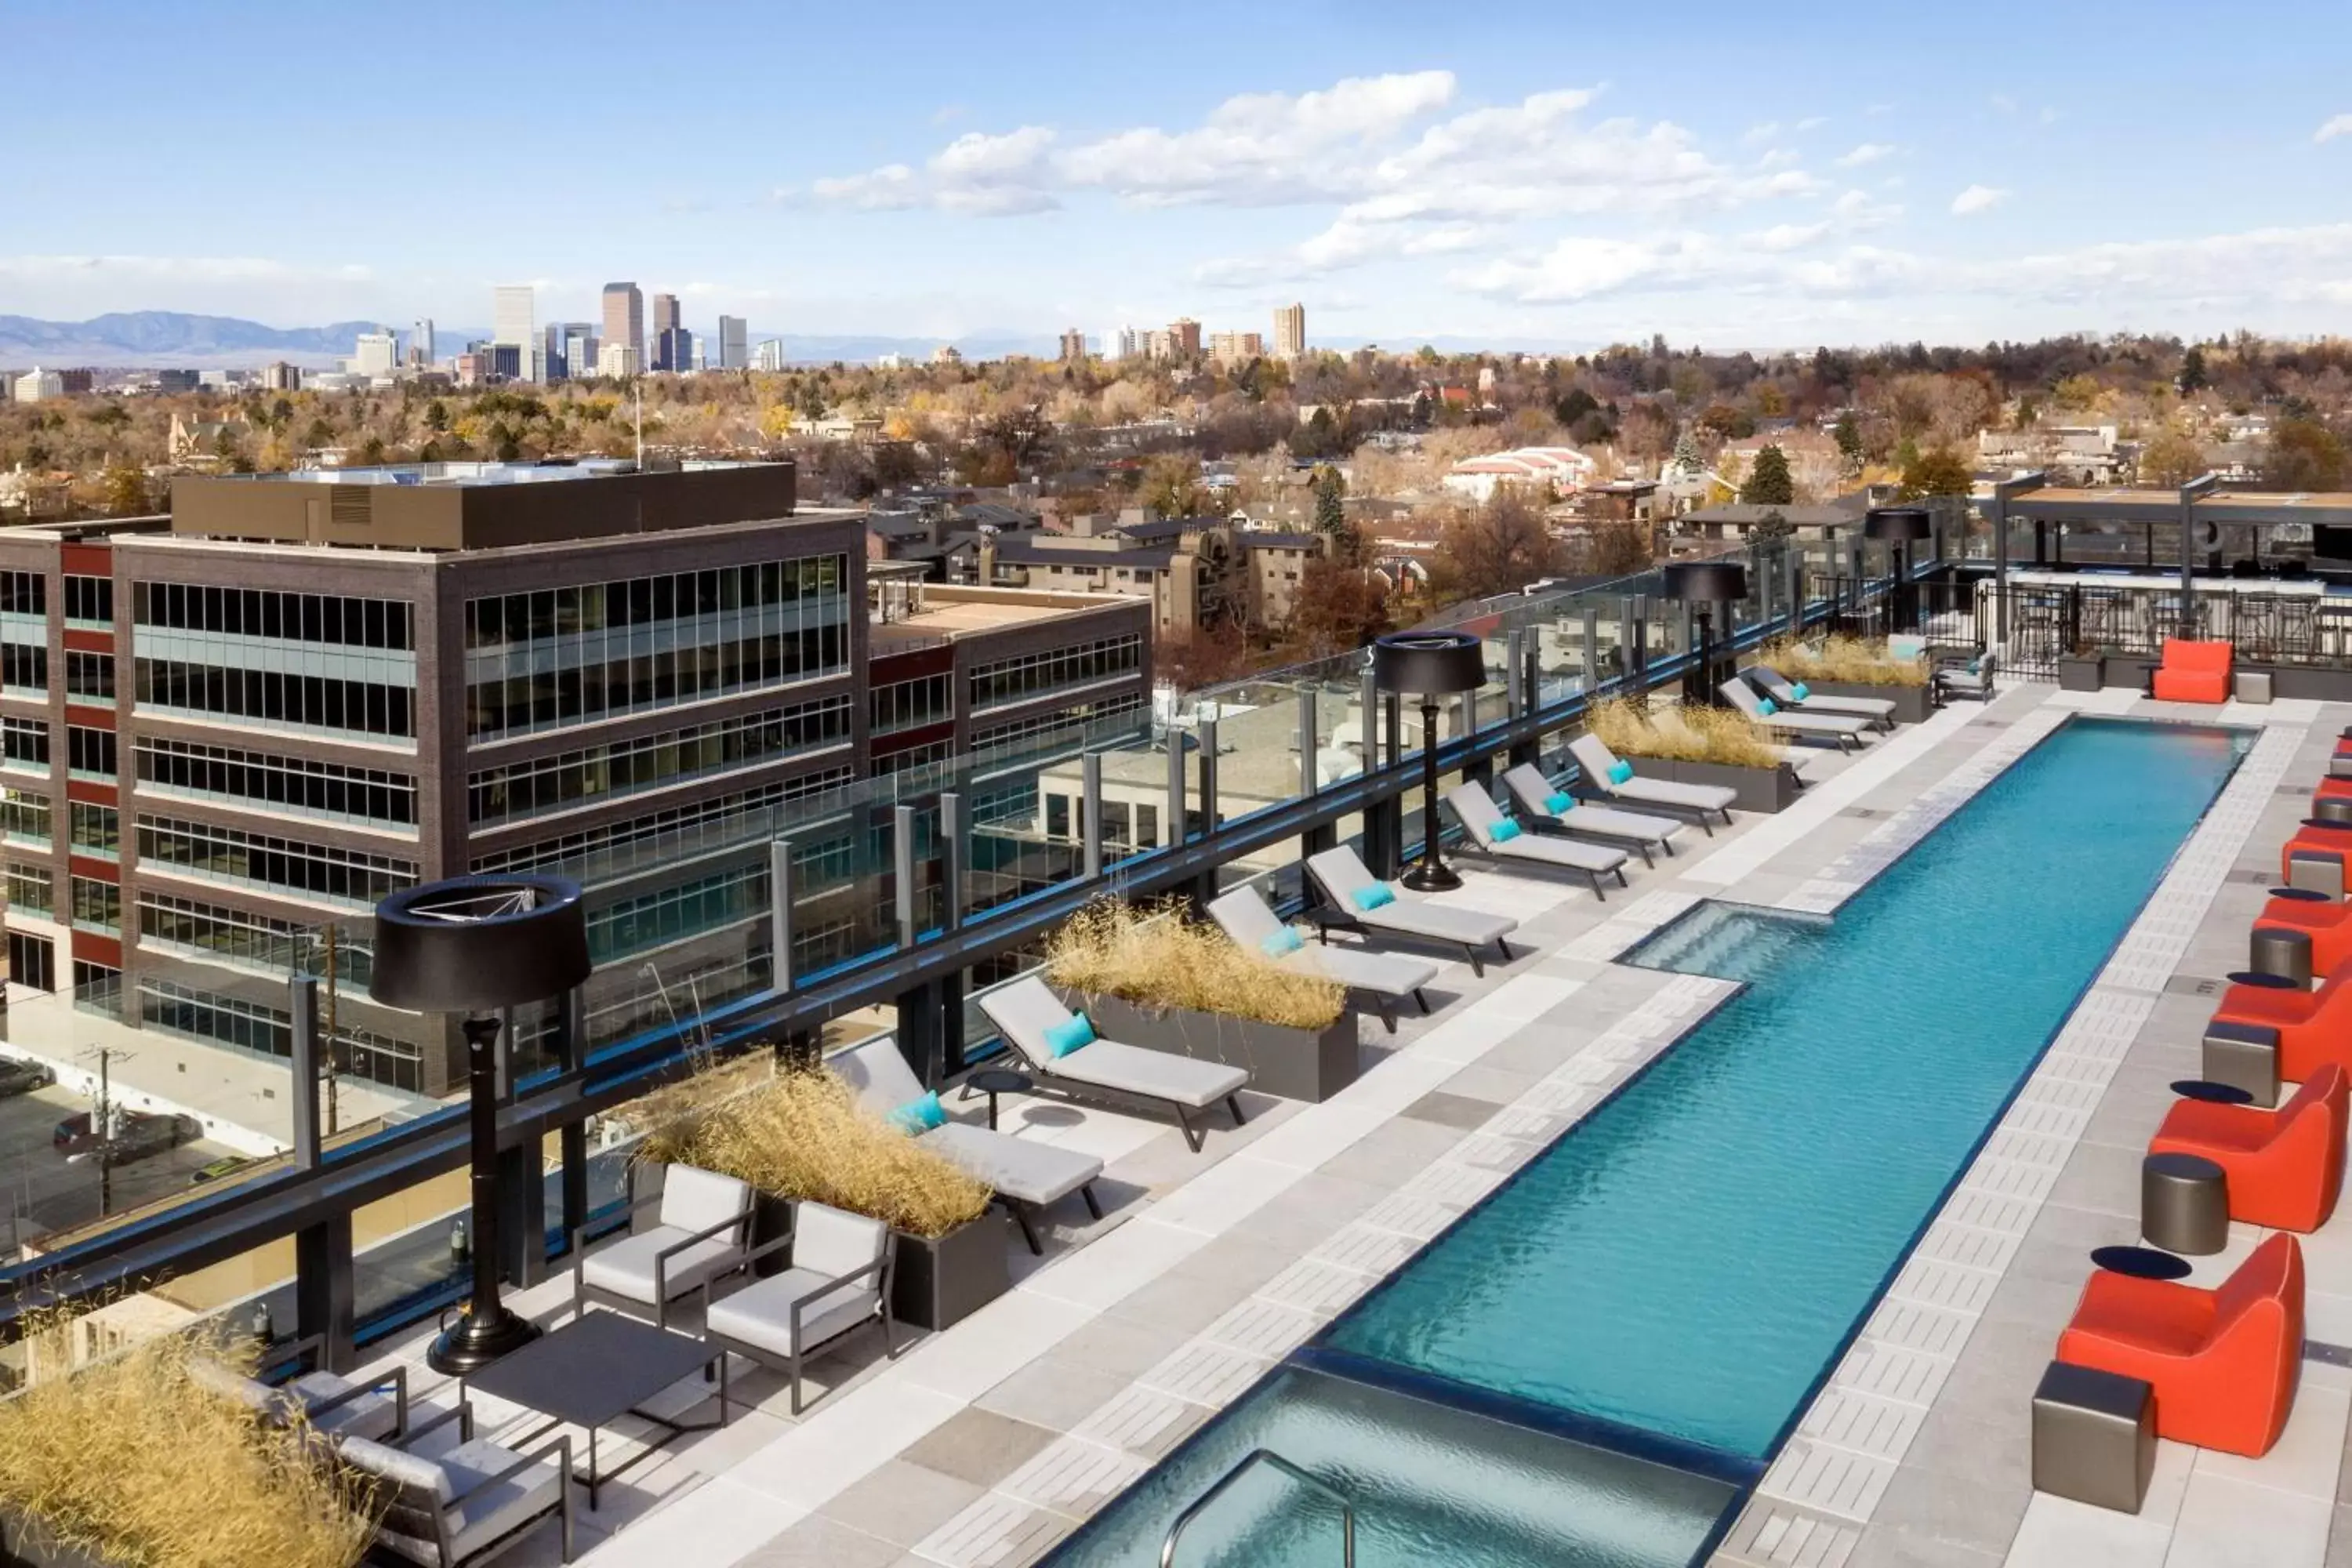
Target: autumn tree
1848, 435
1770, 484
1172, 486
126, 493
2193, 374
2304, 455
1499, 548
1339, 608
1940, 472
1331, 506
2172, 460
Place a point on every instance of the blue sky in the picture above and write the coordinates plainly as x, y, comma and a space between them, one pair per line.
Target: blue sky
1729, 174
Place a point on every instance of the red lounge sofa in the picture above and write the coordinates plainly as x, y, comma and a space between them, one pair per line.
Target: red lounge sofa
2321, 839
2192, 672
2327, 922
2224, 1363
2286, 1166
2314, 1027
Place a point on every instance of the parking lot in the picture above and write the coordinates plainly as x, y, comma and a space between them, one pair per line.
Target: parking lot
37, 1185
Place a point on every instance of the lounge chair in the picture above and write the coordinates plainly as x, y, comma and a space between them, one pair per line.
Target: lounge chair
467, 1503
1605, 773
1251, 921
2192, 671
1348, 888
1795, 698
2325, 923
2285, 1167
1500, 838
1547, 808
1029, 1015
704, 1233
375, 1407
2224, 1363
2323, 843
1028, 1176
2310, 1029
839, 1281
1968, 675
1800, 726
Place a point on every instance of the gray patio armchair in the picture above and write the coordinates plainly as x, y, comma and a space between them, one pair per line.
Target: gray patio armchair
1968, 675
1609, 775
1352, 903
1878, 711
704, 1233
1385, 977
1797, 726
1497, 836
1546, 806
838, 1282
375, 1406
1027, 1013
1028, 1176
465, 1504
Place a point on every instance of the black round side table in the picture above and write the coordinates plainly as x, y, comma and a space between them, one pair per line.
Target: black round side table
2184, 1204
993, 1081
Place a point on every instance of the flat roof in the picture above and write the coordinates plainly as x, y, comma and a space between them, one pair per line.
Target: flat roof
450, 475
2253, 508
952, 610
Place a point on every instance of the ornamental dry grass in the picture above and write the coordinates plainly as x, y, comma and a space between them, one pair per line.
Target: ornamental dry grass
134, 1462
1859, 660
802, 1134
1686, 734
1161, 957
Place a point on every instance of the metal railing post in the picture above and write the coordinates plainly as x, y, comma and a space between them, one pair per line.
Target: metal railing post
780, 914
953, 832
302, 996
1208, 729
902, 858
1177, 803
1091, 815
1310, 742
1592, 650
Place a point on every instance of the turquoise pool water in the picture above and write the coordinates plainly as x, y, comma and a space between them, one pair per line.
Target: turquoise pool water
1689, 1258
1685, 1263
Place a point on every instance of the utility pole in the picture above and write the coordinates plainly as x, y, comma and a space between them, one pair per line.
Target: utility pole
327, 1054
102, 1124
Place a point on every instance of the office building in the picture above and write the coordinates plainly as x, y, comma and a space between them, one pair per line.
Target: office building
1073, 347
36, 383
617, 361
420, 342
1185, 339
280, 376
734, 347
625, 319
316, 689
378, 352
666, 316
674, 349
515, 324
502, 362
769, 355
580, 345
1232, 349
1290, 332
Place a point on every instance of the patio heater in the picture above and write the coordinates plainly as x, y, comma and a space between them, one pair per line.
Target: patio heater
477, 946
1899, 527
1429, 665
1702, 585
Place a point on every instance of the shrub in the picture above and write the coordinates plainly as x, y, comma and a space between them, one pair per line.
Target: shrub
1857, 660
801, 1135
1164, 958
134, 1461
1686, 734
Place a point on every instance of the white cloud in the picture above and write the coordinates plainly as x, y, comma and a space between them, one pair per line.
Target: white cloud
878, 190
2004, 103
2339, 126
1868, 152
1812, 122
1785, 237
1977, 199
1761, 132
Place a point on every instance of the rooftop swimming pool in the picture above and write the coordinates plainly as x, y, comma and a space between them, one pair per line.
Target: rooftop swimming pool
1674, 1277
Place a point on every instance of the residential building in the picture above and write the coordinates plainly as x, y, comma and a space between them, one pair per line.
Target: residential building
1073, 347
176, 380
199, 440
1290, 332
514, 324
891, 361
1183, 339
1132, 343
420, 342
625, 319
1230, 349
769, 355
36, 383
1196, 571
1552, 473
377, 354
734, 351
280, 376
673, 348
77, 381
1159, 344
617, 361
947, 353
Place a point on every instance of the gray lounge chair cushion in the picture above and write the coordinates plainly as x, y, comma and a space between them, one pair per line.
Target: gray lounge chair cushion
1479, 817
625, 1267
1245, 917
1025, 1010
1021, 1169
1779, 689
1596, 759
1534, 793
495, 1511
1340, 873
370, 1415
1741, 697
695, 1200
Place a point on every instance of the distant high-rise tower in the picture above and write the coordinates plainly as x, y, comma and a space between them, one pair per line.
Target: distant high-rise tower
660, 339
1073, 347
664, 313
734, 343
420, 342
770, 356
579, 349
674, 349
1290, 332
625, 320
1185, 339
515, 320
377, 354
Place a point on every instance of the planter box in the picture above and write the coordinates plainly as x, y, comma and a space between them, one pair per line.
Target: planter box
1755, 789
935, 1282
1291, 1063
27, 1545
1912, 703
2080, 674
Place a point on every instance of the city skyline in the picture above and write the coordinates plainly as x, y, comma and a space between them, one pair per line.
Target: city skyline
1427, 176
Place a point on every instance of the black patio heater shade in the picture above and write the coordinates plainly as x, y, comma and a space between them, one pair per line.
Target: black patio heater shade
1702, 585
1899, 527
1429, 665
477, 945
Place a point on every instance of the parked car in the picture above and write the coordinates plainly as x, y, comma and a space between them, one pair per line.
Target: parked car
141, 1136
227, 1165
18, 1076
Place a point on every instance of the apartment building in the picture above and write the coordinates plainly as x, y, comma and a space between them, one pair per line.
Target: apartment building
300, 692
1196, 571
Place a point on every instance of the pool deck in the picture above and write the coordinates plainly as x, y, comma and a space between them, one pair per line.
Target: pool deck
983, 1447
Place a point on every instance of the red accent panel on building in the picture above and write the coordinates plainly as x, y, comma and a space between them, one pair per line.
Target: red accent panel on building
87, 559
80, 639
89, 792
91, 948
884, 668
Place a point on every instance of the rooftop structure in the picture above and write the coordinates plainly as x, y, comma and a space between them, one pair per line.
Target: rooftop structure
1556, 470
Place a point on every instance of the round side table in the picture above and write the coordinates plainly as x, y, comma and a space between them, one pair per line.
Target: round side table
2184, 1204
993, 1081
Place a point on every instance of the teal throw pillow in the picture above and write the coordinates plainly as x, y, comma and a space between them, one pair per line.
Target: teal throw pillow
1372, 897
920, 1115
1072, 1032
1798, 691
1504, 831
1767, 707
1278, 943
1621, 772
1560, 801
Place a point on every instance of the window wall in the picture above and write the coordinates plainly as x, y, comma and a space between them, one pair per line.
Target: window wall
32, 888
25, 817
296, 785
25, 743
284, 866
1035, 674
911, 704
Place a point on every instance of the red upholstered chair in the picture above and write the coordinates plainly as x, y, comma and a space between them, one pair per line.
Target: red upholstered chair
2314, 1028
2327, 921
2286, 1166
2192, 672
2333, 788
2325, 839
2224, 1363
